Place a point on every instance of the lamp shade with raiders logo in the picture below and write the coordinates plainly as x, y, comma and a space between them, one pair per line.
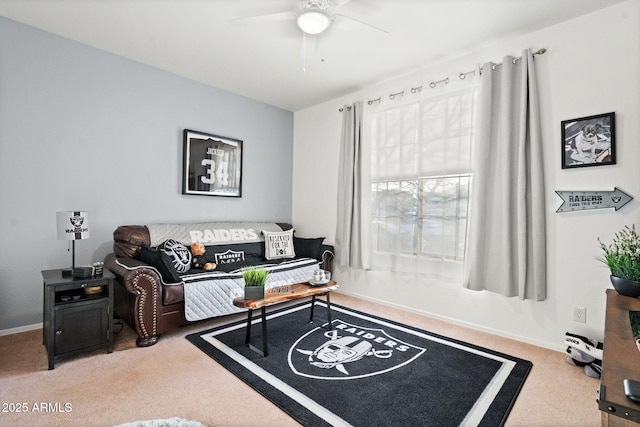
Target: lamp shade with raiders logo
72, 225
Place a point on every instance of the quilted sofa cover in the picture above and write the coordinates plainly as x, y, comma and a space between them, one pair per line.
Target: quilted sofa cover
151, 306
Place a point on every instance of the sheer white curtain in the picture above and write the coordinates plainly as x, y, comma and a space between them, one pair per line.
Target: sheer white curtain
506, 248
348, 241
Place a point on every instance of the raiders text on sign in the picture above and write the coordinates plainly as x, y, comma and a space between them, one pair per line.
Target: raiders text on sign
593, 198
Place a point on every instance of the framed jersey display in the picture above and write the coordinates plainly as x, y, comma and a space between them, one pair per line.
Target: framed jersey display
212, 165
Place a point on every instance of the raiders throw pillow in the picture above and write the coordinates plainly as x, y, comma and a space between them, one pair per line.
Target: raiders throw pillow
180, 255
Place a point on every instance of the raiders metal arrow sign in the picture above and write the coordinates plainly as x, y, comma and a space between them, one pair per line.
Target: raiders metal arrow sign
583, 200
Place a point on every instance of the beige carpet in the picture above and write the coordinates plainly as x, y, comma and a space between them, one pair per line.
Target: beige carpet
175, 379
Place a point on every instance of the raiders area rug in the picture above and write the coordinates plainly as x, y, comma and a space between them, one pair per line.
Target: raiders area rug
366, 370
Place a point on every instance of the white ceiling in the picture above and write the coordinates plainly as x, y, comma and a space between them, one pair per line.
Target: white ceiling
195, 38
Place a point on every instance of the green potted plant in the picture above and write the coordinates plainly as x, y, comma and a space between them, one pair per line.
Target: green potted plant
254, 280
623, 259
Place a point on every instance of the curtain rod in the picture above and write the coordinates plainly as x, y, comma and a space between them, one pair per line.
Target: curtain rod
434, 84
463, 76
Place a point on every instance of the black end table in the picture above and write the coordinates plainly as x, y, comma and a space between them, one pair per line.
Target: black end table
74, 320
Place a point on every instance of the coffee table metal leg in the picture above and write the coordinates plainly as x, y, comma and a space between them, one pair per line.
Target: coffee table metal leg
329, 310
247, 341
313, 304
249, 319
264, 331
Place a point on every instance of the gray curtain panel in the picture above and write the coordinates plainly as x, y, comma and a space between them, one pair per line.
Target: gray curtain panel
506, 247
348, 242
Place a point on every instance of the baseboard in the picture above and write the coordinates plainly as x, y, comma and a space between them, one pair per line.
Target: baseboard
559, 348
20, 329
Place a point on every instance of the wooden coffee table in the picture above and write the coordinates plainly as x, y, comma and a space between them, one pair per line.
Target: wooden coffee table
281, 294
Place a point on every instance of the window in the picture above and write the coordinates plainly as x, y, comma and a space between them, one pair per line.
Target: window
420, 176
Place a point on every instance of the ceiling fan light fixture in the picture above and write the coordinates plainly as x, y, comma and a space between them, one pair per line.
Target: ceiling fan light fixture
313, 22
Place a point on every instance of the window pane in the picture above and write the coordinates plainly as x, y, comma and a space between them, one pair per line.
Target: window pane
450, 187
376, 206
444, 204
394, 209
408, 235
432, 200
449, 237
408, 204
386, 230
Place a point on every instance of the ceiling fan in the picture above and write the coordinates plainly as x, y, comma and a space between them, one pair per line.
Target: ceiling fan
313, 18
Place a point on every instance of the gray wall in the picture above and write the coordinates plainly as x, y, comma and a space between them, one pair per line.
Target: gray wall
82, 129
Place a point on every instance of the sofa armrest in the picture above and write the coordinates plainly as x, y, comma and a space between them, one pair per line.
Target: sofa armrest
138, 296
128, 269
326, 256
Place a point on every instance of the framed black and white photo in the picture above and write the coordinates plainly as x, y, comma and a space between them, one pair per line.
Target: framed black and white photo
212, 165
589, 141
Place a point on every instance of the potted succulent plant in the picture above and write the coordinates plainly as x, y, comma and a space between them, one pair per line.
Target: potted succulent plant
623, 259
254, 280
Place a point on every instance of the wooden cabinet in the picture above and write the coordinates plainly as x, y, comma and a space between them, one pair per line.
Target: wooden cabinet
620, 360
74, 320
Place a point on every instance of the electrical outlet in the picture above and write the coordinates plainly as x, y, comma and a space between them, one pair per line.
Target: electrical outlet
580, 314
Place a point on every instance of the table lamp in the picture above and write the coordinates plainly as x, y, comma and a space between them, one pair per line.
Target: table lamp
72, 225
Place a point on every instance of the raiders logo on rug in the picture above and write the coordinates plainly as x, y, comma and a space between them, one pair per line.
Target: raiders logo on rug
349, 351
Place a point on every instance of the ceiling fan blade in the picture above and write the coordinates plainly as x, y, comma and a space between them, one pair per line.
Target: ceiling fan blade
353, 25
271, 17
